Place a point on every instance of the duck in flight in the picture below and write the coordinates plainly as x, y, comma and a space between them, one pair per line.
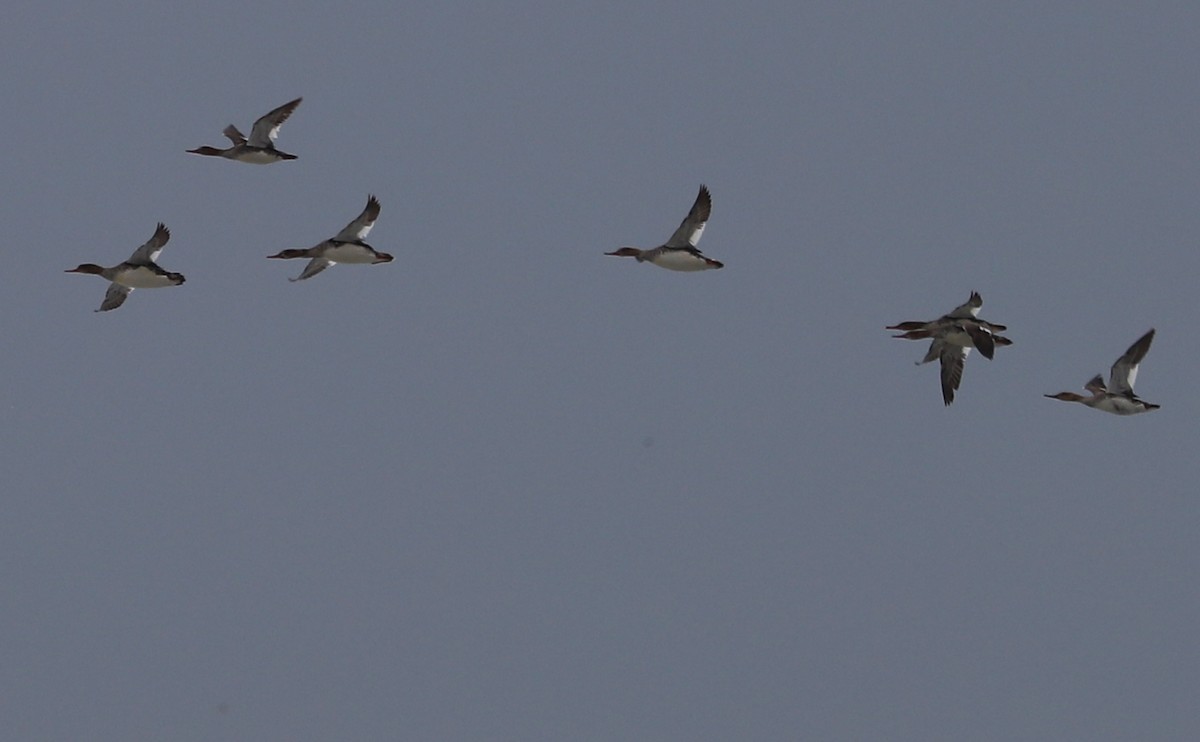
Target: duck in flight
139, 272
259, 147
953, 337
346, 246
679, 253
1118, 397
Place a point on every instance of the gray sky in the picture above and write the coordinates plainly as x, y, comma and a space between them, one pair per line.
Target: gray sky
508, 488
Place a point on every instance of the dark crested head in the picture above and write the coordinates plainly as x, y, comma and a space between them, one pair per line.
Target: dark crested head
87, 268
382, 257
205, 150
291, 252
626, 252
285, 155
176, 278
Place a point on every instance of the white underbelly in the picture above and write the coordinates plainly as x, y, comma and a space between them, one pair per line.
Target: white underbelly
143, 278
1119, 406
257, 157
349, 254
680, 261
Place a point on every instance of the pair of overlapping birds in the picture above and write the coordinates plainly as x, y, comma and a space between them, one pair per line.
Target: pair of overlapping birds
952, 337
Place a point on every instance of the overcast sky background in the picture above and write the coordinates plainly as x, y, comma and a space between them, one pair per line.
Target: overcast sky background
508, 488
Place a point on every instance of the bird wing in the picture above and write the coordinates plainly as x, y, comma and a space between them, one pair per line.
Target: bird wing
692, 228
969, 308
1096, 385
232, 134
267, 128
954, 358
315, 266
982, 339
114, 297
149, 252
357, 230
1124, 371
934, 353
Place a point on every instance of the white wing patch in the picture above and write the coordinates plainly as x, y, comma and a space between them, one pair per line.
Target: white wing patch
692, 227
1124, 372
266, 129
361, 226
149, 252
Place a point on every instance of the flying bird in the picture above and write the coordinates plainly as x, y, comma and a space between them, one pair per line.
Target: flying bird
259, 148
953, 336
346, 246
679, 253
1118, 397
139, 272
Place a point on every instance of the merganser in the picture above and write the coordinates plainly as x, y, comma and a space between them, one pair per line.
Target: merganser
953, 336
139, 272
346, 246
679, 253
1118, 397
259, 149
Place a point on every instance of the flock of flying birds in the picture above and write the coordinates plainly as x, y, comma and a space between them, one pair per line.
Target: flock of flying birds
142, 271
952, 335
